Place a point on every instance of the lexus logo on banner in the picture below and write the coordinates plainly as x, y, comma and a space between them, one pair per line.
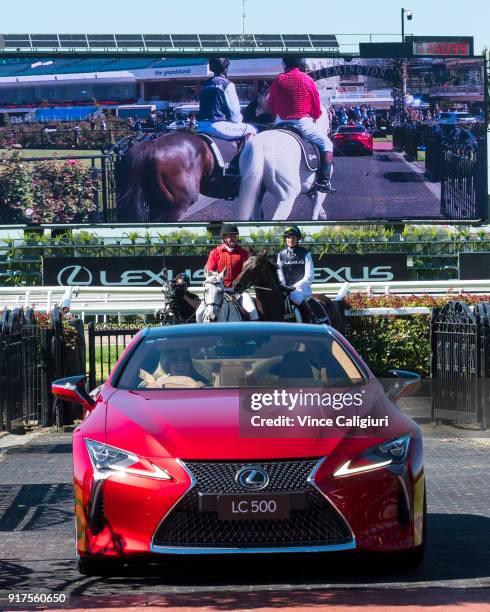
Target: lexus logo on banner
147, 271
74, 275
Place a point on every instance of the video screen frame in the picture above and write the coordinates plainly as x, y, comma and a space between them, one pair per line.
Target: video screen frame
102, 213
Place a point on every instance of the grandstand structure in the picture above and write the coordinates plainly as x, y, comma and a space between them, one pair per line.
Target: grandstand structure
168, 42
31, 85
78, 70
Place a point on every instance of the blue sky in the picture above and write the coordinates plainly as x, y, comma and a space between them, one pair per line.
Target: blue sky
471, 17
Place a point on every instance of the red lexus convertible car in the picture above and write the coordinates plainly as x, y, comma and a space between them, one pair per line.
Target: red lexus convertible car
164, 463
353, 139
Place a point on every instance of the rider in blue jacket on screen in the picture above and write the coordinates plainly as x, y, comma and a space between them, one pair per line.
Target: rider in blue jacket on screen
220, 114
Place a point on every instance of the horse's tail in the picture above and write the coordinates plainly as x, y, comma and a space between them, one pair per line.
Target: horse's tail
130, 175
252, 162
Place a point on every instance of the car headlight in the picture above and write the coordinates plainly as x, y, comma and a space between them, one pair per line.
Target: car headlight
109, 458
393, 452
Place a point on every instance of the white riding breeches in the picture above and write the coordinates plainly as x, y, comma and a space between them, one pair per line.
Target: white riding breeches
249, 306
311, 131
226, 129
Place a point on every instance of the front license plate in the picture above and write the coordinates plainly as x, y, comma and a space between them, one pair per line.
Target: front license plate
253, 507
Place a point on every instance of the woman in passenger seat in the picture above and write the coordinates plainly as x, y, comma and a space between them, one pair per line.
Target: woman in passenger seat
178, 362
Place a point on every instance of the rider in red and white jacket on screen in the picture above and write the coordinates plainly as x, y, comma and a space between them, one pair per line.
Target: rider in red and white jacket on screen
294, 99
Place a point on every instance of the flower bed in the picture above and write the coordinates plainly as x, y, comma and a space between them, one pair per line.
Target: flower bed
45, 191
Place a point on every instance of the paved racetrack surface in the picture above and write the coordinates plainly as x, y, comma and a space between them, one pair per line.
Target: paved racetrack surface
380, 186
37, 548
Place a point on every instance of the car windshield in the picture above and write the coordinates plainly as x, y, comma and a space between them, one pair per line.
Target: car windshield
446, 116
351, 130
464, 116
247, 359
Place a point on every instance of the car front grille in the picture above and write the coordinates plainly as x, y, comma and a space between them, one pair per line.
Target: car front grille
318, 524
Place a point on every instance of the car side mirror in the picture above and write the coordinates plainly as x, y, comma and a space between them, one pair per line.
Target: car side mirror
72, 389
405, 383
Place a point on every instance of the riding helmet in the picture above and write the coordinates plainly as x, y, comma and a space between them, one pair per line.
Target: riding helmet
218, 65
293, 61
228, 228
293, 230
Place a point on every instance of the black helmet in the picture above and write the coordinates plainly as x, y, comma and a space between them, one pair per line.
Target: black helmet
293, 230
228, 228
218, 65
293, 61
183, 279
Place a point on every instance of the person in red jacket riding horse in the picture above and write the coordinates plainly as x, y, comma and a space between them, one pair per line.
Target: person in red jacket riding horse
232, 256
294, 99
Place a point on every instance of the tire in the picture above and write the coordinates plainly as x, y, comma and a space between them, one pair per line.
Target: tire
88, 566
411, 559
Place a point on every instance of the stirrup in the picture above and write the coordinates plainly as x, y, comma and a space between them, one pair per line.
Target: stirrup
325, 186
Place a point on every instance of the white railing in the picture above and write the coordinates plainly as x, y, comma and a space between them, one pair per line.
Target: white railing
145, 300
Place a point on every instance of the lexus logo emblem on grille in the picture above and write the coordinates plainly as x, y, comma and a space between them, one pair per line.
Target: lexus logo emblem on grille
252, 478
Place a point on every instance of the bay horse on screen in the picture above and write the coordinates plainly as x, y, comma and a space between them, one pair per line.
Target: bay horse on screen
157, 180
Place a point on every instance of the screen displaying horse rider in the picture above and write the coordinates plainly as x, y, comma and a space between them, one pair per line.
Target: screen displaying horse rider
296, 271
247, 138
227, 259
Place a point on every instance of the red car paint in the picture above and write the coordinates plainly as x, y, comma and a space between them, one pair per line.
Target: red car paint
172, 427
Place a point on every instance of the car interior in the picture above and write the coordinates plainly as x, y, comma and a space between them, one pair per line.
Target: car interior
307, 364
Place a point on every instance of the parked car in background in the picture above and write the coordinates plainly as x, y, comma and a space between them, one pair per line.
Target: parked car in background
353, 139
179, 124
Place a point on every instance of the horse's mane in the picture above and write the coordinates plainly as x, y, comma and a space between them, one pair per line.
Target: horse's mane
263, 259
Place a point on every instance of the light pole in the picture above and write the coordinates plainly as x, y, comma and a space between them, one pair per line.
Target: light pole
409, 15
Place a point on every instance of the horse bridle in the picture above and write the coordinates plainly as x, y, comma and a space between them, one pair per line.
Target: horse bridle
213, 303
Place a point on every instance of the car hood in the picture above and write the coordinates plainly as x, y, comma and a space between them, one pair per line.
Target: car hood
177, 423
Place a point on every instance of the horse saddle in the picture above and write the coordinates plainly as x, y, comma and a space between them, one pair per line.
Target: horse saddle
233, 299
225, 180
292, 313
311, 153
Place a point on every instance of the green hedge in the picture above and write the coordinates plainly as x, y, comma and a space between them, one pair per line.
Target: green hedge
433, 250
403, 342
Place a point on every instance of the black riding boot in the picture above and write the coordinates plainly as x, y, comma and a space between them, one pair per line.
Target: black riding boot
325, 174
307, 313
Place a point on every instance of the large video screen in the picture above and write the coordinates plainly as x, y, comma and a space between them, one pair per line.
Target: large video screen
197, 140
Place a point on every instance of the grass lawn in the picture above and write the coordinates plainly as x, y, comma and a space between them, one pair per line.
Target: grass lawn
105, 359
72, 153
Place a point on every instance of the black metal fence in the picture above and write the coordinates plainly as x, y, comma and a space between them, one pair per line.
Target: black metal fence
33, 353
106, 343
463, 185
460, 168
461, 364
24, 393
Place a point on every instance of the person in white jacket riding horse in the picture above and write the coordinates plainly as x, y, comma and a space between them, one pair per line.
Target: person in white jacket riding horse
296, 271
